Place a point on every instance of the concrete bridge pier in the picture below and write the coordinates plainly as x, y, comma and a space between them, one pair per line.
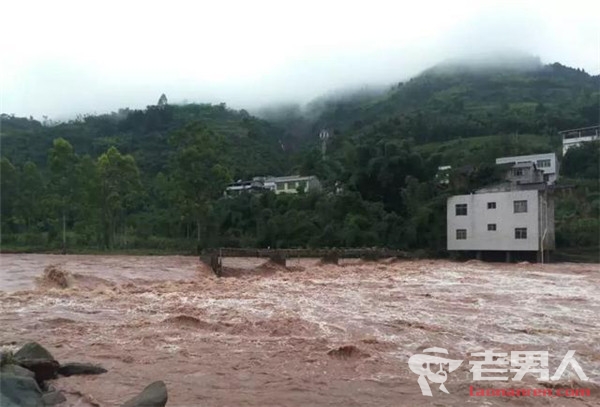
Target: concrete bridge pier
331, 257
278, 258
213, 261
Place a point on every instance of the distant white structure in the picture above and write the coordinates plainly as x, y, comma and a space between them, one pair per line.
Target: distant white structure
324, 136
289, 185
443, 174
515, 216
574, 137
547, 163
254, 186
292, 183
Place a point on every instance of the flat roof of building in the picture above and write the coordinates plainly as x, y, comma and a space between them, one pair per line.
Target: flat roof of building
579, 129
289, 178
530, 157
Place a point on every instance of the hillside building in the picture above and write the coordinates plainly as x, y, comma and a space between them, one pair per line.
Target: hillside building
546, 163
574, 137
442, 176
289, 185
240, 187
293, 183
512, 220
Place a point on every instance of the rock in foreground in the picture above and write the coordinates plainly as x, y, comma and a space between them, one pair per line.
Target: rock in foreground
74, 368
19, 391
154, 395
36, 358
42, 368
53, 397
16, 370
33, 350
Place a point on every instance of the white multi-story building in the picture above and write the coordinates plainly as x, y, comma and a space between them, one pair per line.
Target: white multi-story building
574, 137
515, 217
547, 163
519, 220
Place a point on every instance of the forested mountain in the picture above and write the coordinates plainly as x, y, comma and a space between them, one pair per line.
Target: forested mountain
153, 178
252, 145
453, 100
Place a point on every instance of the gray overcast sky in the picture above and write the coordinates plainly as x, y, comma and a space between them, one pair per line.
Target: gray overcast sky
61, 58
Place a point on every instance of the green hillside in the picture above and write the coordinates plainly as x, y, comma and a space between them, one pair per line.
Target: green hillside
153, 179
485, 149
253, 145
454, 100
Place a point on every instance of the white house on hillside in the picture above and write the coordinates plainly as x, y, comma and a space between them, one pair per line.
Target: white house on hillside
288, 185
574, 137
293, 183
547, 163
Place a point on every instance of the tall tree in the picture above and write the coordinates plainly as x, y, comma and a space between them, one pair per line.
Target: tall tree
200, 171
31, 194
8, 193
62, 161
120, 189
88, 199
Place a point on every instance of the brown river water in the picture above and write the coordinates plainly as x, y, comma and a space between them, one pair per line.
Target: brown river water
264, 335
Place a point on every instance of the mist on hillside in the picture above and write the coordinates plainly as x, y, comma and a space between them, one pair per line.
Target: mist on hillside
490, 62
280, 112
264, 55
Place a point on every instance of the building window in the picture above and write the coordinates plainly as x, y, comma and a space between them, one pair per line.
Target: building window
491, 226
517, 172
461, 234
280, 186
491, 205
543, 163
520, 233
520, 206
461, 209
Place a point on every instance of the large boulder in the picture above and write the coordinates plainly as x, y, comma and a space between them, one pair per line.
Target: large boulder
154, 395
33, 350
43, 369
74, 368
36, 358
16, 370
5, 357
53, 397
19, 391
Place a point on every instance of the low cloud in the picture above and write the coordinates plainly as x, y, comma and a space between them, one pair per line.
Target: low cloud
74, 59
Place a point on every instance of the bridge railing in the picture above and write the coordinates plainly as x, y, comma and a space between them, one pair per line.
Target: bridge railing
214, 257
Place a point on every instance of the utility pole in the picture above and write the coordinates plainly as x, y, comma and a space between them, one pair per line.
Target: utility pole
324, 136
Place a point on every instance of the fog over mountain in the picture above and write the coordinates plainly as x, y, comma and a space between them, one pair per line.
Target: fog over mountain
66, 58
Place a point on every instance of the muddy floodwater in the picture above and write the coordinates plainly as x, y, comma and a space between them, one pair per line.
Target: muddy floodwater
264, 335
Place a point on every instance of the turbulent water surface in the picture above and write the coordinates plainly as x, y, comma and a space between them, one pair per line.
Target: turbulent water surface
264, 335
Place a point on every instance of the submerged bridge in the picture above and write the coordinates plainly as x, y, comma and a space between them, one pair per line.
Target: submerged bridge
214, 257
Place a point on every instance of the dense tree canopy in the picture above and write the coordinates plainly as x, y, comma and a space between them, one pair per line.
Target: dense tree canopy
154, 178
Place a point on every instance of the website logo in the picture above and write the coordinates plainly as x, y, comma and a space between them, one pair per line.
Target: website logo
421, 364
497, 366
